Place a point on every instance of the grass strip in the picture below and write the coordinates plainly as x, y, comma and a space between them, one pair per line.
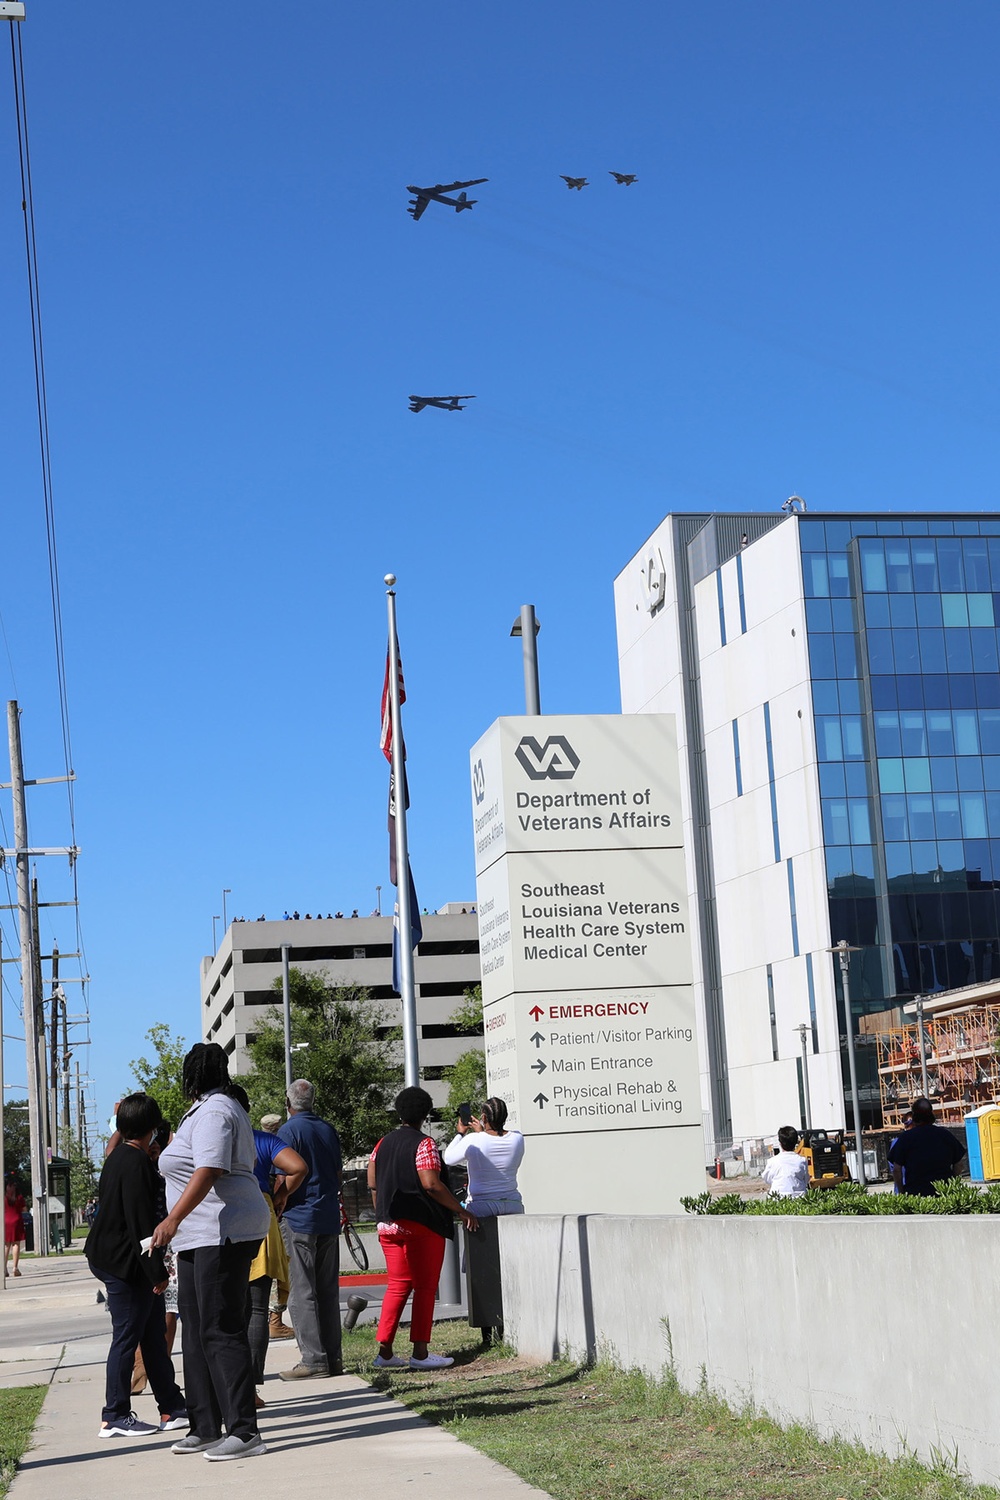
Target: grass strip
19, 1408
615, 1435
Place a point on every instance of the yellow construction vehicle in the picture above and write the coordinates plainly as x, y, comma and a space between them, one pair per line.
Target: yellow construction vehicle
824, 1151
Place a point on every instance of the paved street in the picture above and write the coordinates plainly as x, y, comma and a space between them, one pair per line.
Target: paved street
52, 1331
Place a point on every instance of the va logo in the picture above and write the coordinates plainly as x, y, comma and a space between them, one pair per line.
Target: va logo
478, 783
556, 760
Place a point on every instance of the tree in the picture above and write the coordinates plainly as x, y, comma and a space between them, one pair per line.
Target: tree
161, 1077
351, 1056
16, 1147
467, 1075
83, 1176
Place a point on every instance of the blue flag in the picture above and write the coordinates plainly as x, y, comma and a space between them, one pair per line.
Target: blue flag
416, 932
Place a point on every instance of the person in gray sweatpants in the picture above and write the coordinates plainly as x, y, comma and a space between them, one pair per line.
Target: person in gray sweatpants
310, 1228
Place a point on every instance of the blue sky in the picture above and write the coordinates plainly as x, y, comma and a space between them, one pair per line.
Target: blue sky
798, 295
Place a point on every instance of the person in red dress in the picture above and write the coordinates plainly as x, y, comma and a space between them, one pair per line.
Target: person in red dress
13, 1225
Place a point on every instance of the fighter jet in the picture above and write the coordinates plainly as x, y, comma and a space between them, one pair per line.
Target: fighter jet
443, 403
624, 178
574, 182
437, 194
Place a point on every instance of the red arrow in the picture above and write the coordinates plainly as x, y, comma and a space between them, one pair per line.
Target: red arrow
537, 1012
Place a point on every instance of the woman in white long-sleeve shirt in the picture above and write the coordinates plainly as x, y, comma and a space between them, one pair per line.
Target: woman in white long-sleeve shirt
492, 1155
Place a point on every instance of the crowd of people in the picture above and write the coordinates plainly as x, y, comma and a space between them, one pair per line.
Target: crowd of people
204, 1222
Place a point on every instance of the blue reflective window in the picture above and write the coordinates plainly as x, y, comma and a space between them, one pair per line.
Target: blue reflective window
877, 610
993, 548
863, 860
831, 779
991, 772
854, 745
791, 908
905, 650
940, 527
977, 564
947, 817
890, 776
821, 656
993, 814
910, 691
920, 811
856, 776
973, 815
846, 655
812, 536
818, 616
736, 759
954, 609
902, 609
816, 576
989, 724
966, 722
838, 864
984, 650
860, 820
958, 649
924, 857
981, 609
880, 658
988, 690
850, 696
770, 775
884, 692
936, 691
829, 738
826, 696
836, 828
933, 656
898, 860
840, 583
928, 609
962, 690
722, 604
897, 566
842, 611
917, 775
940, 739
925, 572
873, 577
838, 534
894, 820
887, 737
943, 775
970, 772
950, 570
913, 732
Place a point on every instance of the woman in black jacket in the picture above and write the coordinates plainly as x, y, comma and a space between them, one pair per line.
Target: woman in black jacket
134, 1280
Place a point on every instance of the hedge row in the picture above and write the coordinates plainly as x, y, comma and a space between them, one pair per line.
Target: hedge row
953, 1197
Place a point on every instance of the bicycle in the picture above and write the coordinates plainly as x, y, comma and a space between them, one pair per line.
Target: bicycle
353, 1240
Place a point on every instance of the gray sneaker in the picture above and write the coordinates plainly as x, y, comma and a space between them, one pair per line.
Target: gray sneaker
234, 1447
193, 1444
304, 1372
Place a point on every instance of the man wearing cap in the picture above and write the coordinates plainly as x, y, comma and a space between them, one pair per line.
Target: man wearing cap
311, 1231
277, 1328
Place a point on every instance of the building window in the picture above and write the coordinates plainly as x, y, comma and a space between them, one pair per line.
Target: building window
770, 777
811, 988
773, 1017
722, 605
739, 581
791, 908
736, 758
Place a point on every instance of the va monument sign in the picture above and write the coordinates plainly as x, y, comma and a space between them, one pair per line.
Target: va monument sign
586, 961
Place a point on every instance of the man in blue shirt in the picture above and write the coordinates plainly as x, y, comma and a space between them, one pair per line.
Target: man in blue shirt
310, 1228
924, 1154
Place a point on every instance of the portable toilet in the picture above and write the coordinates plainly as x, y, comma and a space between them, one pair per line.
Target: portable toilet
989, 1141
982, 1136
973, 1144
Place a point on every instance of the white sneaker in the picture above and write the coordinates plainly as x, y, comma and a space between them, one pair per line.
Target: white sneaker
432, 1362
392, 1363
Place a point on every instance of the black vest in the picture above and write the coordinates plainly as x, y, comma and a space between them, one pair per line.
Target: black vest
398, 1194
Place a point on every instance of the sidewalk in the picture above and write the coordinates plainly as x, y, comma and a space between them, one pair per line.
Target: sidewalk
52, 1331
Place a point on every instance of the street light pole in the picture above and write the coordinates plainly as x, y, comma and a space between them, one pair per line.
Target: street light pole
286, 1006
921, 1043
225, 925
843, 950
803, 1031
215, 939
527, 627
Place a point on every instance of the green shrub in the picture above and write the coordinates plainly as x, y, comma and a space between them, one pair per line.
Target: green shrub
851, 1198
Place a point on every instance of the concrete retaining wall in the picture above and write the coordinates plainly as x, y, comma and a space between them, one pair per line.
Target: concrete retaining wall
880, 1331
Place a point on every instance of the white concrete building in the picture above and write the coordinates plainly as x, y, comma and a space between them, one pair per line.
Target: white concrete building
836, 688
236, 985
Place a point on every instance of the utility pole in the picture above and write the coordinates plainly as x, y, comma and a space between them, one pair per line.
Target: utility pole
66, 1138
44, 1102
54, 1054
80, 1128
39, 1175
843, 951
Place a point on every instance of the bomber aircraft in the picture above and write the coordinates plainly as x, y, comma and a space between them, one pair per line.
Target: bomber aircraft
574, 182
624, 178
438, 194
443, 403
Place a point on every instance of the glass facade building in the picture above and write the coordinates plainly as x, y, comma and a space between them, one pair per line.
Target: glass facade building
901, 662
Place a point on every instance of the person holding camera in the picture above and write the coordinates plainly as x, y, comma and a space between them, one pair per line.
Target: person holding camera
492, 1154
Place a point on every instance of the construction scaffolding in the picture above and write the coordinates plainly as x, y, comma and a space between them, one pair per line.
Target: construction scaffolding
962, 1058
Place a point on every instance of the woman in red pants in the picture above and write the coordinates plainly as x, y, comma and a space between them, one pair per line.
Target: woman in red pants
416, 1215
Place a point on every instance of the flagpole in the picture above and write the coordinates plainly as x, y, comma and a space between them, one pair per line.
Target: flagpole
407, 988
